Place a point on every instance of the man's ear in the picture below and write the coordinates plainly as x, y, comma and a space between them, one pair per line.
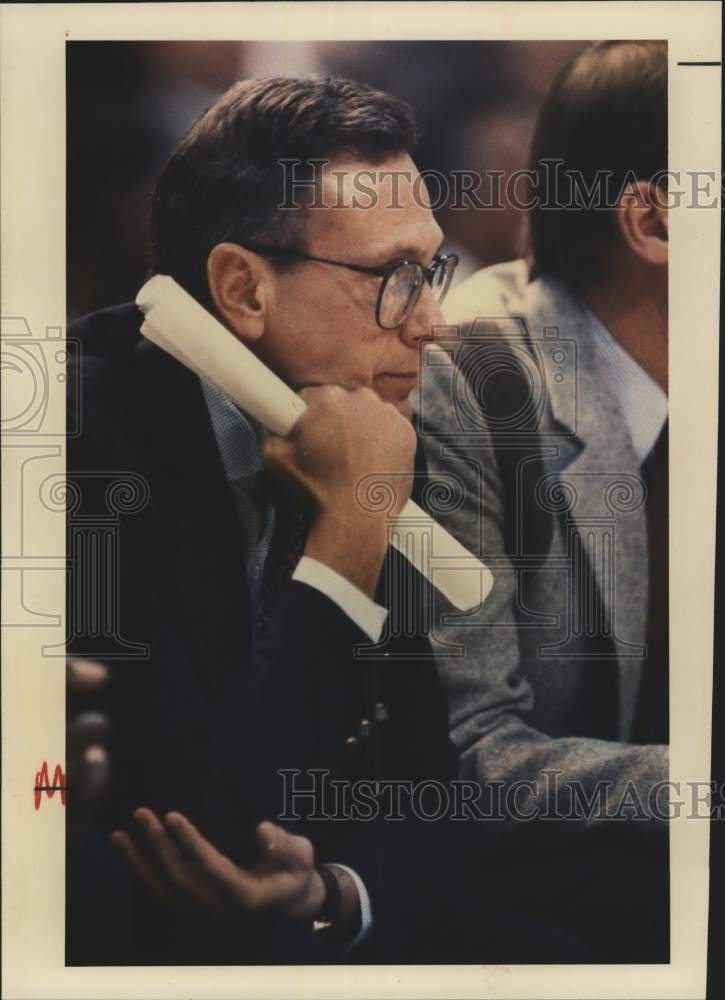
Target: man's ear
642, 223
238, 286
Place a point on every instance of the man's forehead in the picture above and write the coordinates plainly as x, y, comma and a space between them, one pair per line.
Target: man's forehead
396, 181
384, 204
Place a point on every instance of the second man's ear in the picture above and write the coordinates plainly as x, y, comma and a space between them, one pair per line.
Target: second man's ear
642, 222
238, 285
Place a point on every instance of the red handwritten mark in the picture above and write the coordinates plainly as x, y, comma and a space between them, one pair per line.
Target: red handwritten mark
42, 783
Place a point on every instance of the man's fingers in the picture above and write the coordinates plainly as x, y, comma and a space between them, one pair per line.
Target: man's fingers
181, 875
162, 846
186, 882
86, 729
87, 735
286, 860
88, 775
279, 847
188, 837
163, 849
272, 841
233, 882
85, 676
197, 848
123, 843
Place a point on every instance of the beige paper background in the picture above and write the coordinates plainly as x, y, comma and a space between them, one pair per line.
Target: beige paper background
33, 268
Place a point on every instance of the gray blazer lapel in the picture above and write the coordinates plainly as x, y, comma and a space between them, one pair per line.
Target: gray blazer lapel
594, 475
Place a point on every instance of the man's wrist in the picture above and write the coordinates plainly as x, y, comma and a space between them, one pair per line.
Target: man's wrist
357, 606
354, 547
350, 914
315, 899
340, 913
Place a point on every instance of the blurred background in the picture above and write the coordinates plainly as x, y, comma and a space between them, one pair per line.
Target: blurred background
129, 103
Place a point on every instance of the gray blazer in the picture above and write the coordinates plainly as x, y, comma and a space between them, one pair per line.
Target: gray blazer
514, 670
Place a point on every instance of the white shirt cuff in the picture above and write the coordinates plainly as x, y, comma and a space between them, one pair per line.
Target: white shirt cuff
366, 614
366, 912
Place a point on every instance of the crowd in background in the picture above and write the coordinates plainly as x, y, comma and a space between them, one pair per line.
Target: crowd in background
128, 104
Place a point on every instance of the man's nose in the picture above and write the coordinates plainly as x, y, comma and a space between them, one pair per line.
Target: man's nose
424, 318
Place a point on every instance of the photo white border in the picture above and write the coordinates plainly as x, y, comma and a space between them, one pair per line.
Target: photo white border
32, 51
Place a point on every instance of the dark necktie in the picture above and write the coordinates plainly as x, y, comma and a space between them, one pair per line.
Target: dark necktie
652, 716
291, 526
251, 495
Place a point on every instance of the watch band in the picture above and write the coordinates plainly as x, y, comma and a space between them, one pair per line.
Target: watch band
329, 916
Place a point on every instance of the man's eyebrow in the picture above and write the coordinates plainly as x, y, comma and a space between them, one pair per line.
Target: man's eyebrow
403, 250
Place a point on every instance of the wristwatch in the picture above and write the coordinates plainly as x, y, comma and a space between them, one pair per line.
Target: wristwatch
329, 916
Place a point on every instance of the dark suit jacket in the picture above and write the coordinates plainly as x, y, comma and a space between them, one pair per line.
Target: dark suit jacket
201, 719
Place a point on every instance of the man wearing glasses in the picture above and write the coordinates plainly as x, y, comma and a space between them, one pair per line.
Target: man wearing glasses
261, 605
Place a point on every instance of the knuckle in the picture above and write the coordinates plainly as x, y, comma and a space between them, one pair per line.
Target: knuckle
319, 399
329, 393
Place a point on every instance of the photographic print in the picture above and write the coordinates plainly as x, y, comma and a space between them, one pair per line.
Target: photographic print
361, 591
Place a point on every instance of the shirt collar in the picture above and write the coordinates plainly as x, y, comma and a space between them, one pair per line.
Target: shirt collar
239, 445
643, 402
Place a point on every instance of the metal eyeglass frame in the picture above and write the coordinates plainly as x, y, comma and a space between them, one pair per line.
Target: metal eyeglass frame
427, 273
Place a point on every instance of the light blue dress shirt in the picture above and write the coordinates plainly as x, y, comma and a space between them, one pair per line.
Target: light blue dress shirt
643, 402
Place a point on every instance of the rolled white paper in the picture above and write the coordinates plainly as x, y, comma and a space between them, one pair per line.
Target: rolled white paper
454, 571
179, 325
176, 323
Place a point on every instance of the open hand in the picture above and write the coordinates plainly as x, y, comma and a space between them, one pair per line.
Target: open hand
183, 870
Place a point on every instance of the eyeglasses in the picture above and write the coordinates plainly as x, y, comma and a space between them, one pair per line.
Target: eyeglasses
402, 282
